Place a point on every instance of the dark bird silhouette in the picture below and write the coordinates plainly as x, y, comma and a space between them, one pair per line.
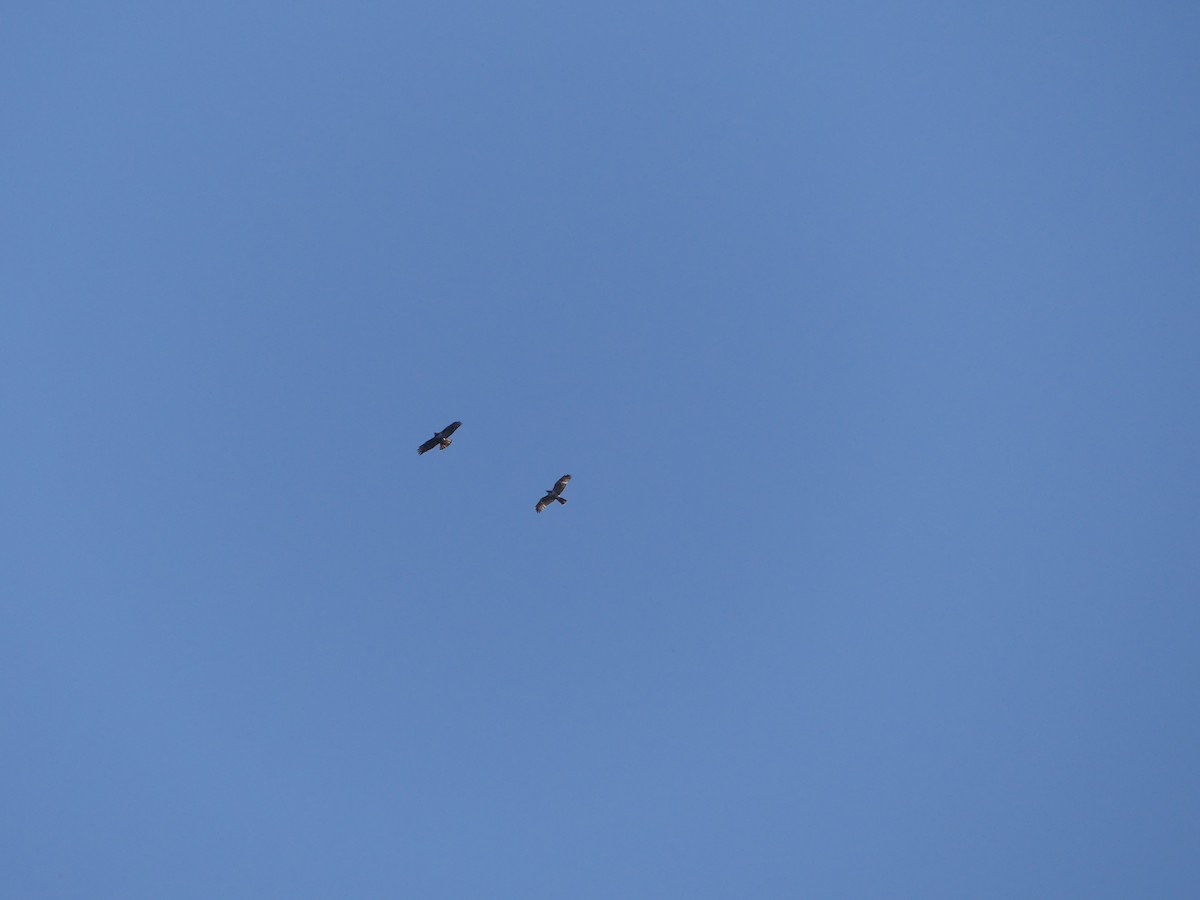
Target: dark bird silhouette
555, 493
441, 439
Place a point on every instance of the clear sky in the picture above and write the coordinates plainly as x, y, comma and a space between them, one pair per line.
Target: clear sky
869, 333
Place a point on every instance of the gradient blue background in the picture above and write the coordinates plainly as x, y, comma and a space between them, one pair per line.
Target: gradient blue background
868, 332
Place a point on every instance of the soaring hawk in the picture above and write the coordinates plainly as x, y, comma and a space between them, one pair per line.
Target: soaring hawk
441, 439
555, 493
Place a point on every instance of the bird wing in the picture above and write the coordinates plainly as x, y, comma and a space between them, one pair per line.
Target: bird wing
450, 429
561, 483
429, 444
544, 502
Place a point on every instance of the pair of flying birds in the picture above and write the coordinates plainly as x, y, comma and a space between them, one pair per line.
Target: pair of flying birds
441, 440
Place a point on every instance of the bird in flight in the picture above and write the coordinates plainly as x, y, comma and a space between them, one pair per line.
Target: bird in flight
440, 439
555, 493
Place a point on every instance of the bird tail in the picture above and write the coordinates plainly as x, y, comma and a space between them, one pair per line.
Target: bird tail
562, 500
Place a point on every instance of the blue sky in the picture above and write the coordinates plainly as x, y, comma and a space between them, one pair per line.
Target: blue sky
869, 335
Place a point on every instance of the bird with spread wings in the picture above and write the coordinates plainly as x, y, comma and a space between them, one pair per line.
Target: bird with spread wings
440, 439
555, 493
